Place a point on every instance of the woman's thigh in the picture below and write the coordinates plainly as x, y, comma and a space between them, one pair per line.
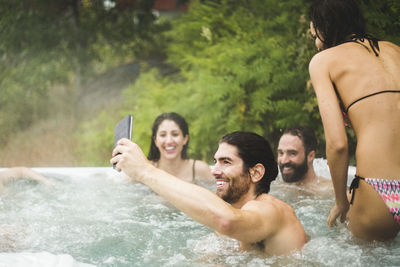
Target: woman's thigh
369, 217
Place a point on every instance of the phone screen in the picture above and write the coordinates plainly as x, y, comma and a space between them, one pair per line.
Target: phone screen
123, 130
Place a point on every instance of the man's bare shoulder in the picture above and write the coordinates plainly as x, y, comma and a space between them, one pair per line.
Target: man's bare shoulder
323, 181
267, 205
321, 185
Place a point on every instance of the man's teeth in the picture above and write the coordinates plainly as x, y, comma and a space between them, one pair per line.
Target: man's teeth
221, 182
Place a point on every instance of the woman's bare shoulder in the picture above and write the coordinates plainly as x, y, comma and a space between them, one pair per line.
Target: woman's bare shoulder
319, 65
389, 44
389, 51
203, 171
321, 58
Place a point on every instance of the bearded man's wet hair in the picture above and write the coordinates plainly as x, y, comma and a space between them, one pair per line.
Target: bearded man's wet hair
306, 136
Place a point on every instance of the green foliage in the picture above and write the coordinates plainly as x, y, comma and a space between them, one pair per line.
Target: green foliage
383, 19
95, 139
144, 101
239, 65
243, 66
45, 43
20, 105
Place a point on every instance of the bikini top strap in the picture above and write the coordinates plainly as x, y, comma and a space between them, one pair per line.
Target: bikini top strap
373, 42
376, 93
193, 170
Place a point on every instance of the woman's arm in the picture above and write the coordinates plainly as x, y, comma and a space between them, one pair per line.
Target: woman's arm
20, 172
335, 133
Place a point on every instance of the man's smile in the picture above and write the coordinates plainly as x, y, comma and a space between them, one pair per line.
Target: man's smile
287, 168
220, 183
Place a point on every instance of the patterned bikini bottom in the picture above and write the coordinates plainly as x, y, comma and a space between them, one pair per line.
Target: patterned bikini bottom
389, 190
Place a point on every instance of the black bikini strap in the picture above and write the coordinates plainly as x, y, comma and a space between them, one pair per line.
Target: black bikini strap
353, 186
376, 93
193, 170
373, 42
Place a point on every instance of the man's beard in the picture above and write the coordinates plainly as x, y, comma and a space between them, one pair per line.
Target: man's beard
298, 171
240, 186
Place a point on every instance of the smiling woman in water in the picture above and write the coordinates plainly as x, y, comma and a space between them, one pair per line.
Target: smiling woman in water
168, 149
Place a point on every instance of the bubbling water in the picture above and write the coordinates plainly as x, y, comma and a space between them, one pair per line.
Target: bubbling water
95, 216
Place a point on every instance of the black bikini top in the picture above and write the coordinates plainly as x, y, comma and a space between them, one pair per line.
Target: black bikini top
376, 93
373, 42
193, 171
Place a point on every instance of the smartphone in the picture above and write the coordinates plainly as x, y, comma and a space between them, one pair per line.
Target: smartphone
123, 130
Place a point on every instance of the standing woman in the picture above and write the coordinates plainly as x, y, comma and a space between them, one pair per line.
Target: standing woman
168, 149
358, 77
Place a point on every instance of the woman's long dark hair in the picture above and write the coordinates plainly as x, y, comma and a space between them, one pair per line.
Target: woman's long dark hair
154, 153
336, 20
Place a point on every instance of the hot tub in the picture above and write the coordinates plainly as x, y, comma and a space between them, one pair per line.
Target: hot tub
94, 216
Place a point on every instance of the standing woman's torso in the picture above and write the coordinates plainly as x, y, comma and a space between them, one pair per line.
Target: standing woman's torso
357, 73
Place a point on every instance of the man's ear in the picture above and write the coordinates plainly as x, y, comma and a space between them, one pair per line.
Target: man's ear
311, 156
257, 172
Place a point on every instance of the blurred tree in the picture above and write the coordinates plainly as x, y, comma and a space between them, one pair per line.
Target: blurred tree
383, 19
47, 42
237, 64
243, 66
